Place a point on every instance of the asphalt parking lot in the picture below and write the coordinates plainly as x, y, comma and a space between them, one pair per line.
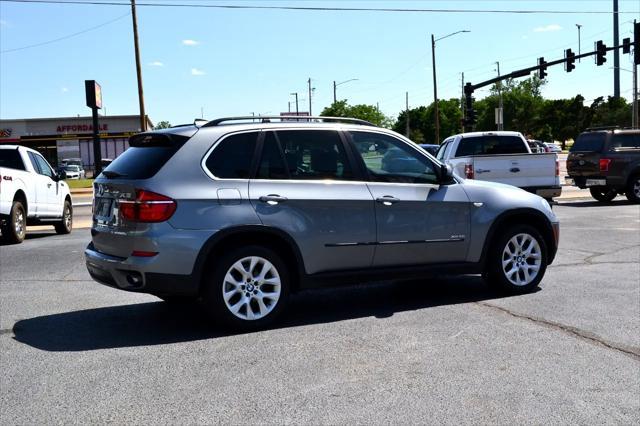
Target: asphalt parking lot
446, 350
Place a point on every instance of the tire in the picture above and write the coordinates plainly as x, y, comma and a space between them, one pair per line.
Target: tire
603, 194
244, 274
633, 189
15, 228
517, 260
66, 224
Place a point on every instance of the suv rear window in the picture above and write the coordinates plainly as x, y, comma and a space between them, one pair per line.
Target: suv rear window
11, 159
589, 142
145, 156
491, 145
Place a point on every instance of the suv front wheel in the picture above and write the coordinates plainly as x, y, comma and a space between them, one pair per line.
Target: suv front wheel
248, 288
518, 260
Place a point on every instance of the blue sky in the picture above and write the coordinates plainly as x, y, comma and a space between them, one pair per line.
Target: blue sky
234, 62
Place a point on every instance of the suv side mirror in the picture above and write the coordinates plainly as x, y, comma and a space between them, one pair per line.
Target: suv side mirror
446, 173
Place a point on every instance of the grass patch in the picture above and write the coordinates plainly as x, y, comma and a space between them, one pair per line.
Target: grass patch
80, 183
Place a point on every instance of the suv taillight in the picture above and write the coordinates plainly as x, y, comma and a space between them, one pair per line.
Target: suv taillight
148, 207
557, 167
604, 164
468, 171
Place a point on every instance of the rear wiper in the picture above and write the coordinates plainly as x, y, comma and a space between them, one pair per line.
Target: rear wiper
111, 175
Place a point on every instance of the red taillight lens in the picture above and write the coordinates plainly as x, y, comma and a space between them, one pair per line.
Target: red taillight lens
141, 253
604, 164
468, 171
557, 168
148, 207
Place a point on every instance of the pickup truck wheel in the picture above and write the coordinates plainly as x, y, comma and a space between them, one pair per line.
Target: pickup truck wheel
66, 224
603, 193
518, 260
15, 227
633, 189
248, 288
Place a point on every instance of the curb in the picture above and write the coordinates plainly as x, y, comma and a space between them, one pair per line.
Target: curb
81, 191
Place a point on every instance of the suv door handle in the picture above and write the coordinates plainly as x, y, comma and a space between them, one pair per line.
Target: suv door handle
49, 185
514, 170
482, 170
272, 199
387, 200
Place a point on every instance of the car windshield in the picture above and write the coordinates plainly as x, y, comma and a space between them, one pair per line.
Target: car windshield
72, 168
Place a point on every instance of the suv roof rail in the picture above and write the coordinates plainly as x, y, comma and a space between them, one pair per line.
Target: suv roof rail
287, 118
591, 129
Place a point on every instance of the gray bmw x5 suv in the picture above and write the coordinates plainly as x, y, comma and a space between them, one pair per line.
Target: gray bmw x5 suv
240, 214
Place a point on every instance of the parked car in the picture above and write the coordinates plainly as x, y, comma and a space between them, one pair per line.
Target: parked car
430, 148
552, 147
503, 157
72, 171
242, 214
31, 193
537, 147
607, 162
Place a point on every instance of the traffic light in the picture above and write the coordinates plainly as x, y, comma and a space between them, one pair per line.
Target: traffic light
471, 116
542, 71
626, 45
601, 53
570, 60
636, 43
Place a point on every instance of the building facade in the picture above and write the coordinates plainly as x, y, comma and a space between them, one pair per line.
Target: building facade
63, 138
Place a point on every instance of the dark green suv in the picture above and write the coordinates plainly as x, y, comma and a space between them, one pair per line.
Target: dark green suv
607, 162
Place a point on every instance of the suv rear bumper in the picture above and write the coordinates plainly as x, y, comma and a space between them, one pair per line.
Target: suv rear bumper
583, 182
130, 275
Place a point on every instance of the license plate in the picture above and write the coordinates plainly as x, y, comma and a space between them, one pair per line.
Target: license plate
596, 182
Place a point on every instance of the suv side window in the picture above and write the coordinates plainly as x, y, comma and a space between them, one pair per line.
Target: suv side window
625, 140
43, 166
388, 159
308, 155
231, 158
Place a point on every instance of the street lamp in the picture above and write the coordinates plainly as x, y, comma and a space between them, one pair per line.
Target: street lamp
338, 84
435, 88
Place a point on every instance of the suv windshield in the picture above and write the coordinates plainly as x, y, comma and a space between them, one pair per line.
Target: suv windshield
591, 142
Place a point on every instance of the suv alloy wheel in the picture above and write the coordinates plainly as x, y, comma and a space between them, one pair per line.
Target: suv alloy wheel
248, 289
518, 260
633, 189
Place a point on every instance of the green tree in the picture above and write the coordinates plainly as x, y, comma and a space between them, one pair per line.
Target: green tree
369, 113
162, 125
422, 121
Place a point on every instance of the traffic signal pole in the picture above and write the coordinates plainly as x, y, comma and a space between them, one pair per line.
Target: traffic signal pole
600, 54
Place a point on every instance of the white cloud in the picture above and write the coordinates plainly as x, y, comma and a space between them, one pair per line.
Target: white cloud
196, 71
156, 64
190, 42
64, 90
547, 28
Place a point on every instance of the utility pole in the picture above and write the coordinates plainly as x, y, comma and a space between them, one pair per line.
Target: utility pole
297, 111
407, 109
309, 81
579, 26
435, 89
334, 91
143, 115
616, 52
464, 112
500, 111
636, 107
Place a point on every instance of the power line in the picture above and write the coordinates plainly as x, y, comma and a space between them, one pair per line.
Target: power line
325, 9
67, 36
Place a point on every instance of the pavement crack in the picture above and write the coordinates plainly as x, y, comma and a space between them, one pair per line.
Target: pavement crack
633, 352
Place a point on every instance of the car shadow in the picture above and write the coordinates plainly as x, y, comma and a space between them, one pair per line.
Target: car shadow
622, 202
31, 235
157, 323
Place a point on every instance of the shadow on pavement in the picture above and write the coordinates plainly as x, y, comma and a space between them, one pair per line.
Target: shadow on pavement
613, 203
157, 323
31, 235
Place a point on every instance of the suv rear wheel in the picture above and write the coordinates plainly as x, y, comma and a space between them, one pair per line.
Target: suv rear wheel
518, 260
633, 189
248, 289
603, 193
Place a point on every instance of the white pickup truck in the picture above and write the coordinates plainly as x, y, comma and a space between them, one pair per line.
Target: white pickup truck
503, 157
31, 193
